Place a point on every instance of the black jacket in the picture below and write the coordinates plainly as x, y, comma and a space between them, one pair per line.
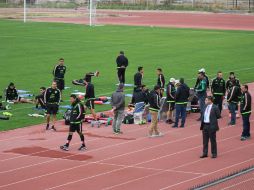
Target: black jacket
171, 91
182, 94
161, 80
40, 99
77, 113
121, 60
229, 84
59, 71
138, 79
89, 91
11, 94
218, 87
233, 94
207, 82
52, 96
214, 116
138, 96
245, 106
154, 101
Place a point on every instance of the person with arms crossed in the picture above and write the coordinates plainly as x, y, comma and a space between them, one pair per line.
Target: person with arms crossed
209, 127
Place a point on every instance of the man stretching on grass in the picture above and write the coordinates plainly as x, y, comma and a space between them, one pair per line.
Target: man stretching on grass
52, 98
76, 118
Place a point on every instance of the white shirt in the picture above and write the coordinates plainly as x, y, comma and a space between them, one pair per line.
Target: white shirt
207, 113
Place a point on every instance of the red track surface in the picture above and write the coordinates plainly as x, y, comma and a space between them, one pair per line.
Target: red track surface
30, 158
167, 19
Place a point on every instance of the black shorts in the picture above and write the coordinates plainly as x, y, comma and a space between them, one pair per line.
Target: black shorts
75, 127
60, 84
90, 104
52, 109
171, 106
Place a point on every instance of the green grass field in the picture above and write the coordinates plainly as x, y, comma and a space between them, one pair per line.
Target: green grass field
28, 53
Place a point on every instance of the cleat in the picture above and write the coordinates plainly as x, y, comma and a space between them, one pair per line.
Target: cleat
64, 147
82, 147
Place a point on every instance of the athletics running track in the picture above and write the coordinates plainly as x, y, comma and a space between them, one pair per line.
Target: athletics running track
30, 158
202, 20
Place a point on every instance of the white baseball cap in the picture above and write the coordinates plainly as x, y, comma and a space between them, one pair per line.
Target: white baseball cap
201, 70
172, 80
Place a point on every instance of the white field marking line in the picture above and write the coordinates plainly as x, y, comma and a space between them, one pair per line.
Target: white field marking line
64, 158
89, 162
207, 174
170, 170
238, 183
145, 168
134, 130
99, 175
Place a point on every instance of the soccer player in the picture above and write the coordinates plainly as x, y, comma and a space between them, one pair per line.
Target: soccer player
154, 101
39, 100
201, 92
90, 97
138, 77
161, 81
246, 112
76, 118
218, 89
11, 95
122, 63
171, 91
87, 77
52, 98
58, 73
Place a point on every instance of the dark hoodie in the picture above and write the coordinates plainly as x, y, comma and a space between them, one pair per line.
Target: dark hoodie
182, 94
118, 100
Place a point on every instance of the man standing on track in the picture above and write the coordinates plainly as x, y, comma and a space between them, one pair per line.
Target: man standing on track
90, 97
218, 89
161, 81
233, 99
52, 98
209, 127
154, 101
170, 100
122, 64
76, 118
118, 105
201, 91
246, 112
58, 73
181, 101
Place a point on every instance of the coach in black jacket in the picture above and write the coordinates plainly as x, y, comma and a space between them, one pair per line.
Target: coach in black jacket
122, 63
209, 127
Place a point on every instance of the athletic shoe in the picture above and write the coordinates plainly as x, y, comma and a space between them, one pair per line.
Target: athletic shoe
243, 138
182, 126
53, 128
47, 127
82, 147
174, 126
97, 73
64, 147
159, 135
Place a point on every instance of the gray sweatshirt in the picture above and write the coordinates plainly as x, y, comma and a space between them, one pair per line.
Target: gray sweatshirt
118, 100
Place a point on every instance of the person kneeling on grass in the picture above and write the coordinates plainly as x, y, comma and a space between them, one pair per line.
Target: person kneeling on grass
154, 101
118, 104
39, 100
52, 98
11, 95
76, 118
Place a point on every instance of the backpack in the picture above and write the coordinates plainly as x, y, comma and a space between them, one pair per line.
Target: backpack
128, 119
